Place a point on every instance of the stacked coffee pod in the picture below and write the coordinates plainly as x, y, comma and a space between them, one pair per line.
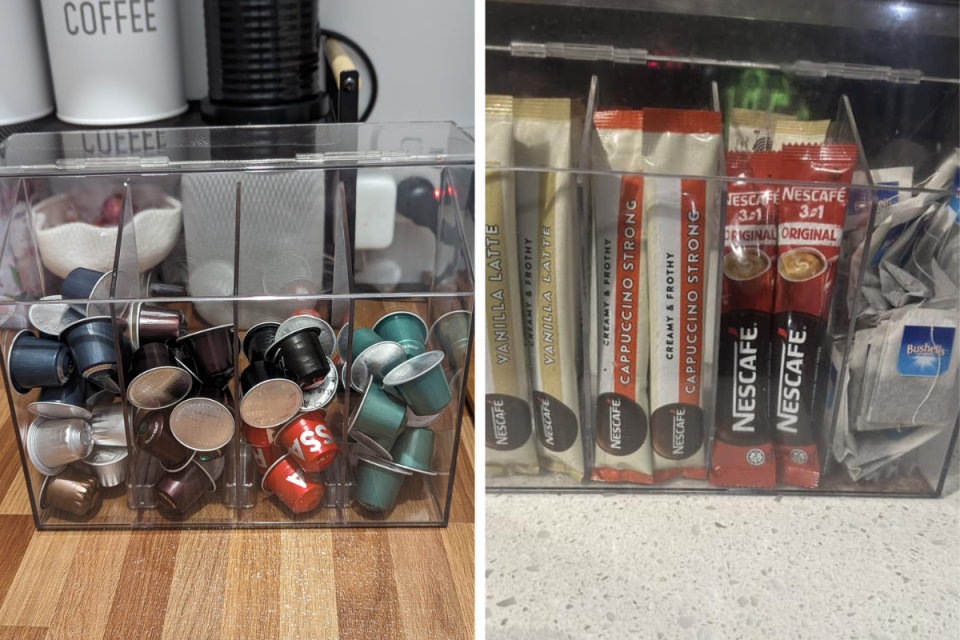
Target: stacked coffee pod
289, 381
78, 436
404, 389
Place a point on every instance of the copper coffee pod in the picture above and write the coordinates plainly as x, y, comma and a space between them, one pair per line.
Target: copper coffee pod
203, 422
308, 439
157, 381
421, 383
413, 451
377, 415
180, 490
375, 362
152, 323
324, 331
109, 465
51, 319
319, 397
73, 491
33, 362
51, 444
212, 351
269, 399
155, 438
68, 401
451, 332
300, 492
406, 328
301, 357
378, 483
91, 344
109, 429
258, 339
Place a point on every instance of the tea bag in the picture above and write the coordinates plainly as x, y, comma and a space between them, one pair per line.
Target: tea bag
899, 287
856, 369
916, 376
874, 348
873, 451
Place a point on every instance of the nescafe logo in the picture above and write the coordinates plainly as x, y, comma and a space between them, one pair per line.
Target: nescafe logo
621, 425
677, 431
509, 424
556, 424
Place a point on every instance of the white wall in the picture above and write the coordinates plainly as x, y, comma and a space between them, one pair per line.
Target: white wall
422, 51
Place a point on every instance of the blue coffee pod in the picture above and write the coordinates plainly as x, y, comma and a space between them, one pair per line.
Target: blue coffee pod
34, 362
91, 343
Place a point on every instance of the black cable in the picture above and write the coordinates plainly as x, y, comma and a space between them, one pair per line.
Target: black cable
366, 61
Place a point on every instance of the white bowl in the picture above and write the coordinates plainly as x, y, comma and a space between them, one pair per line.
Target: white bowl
65, 247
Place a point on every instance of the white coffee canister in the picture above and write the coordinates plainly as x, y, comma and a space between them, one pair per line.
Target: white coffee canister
25, 92
115, 62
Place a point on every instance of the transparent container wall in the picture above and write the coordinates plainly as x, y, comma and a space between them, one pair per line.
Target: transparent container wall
232, 249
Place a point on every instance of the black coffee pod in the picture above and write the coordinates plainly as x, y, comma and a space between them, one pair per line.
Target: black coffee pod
156, 379
178, 491
212, 351
33, 362
91, 343
301, 357
258, 339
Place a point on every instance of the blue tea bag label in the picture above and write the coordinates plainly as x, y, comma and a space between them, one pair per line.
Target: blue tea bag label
955, 200
925, 351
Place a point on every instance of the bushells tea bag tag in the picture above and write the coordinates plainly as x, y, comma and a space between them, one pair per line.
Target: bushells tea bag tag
679, 218
810, 228
547, 134
743, 449
511, 447
623, 450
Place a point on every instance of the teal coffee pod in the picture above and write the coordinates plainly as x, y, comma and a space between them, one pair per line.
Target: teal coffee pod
377, 415
378, 483
406, 328
363, 339
375, 362
421, 383
413, 450
451, 332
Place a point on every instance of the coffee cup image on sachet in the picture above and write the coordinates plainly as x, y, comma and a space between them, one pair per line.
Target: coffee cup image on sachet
406, 328
33, 362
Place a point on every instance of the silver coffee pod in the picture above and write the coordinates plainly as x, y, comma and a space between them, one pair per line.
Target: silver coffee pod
53, 444
375, 362
109, 465
108, 427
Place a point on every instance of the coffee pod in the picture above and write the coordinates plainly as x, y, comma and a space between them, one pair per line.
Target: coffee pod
301, 357
319, 397
377, 415
73, 491
413, 450
378, 483
86, 284
155, 438
51, 444
421, 383
109, 465
212, 351
108, 426
180, 490
375, 362
302, 321
451, 332
33, 362
203, 422
406, 328
307, 438
256, 436
151, 323
415, 421
269, 399
63, 403
287, 480
363, 339
91, 344
258, 339
264, 457
370, 444
51, 319
157, 381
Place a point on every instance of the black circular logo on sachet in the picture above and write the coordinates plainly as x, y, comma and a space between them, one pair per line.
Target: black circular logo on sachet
557, 427
621, 424
677, 430
509, 423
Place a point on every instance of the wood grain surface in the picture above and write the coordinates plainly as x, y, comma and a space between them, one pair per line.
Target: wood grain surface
415, 584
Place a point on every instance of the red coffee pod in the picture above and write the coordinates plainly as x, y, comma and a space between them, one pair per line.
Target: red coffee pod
308, 440
258, 437
266, 456
307, 312
294, 488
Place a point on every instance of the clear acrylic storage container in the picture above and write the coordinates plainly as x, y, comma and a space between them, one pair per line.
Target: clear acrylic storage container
220, 230
879, 81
